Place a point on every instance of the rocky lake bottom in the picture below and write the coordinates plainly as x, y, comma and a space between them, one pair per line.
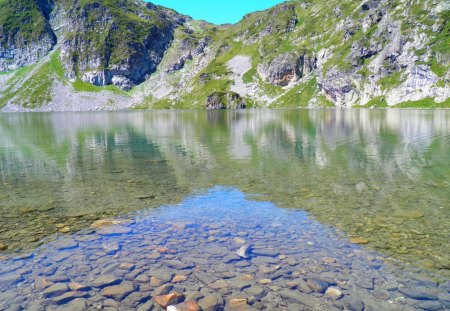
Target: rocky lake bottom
216, 250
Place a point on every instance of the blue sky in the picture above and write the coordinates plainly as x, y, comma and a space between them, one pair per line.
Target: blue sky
218, 12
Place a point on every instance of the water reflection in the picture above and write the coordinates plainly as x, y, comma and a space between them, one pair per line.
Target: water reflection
381, 175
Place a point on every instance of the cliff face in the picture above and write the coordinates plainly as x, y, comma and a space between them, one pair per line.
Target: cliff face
373, 53
115, 42
25, 33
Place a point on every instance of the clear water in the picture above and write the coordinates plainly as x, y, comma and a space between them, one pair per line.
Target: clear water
330, 175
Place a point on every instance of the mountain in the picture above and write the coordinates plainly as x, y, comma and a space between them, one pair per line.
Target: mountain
118, 54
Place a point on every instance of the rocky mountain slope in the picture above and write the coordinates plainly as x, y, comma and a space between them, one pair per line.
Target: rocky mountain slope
118, 54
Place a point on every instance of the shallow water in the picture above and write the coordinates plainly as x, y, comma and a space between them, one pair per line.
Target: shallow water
379, 175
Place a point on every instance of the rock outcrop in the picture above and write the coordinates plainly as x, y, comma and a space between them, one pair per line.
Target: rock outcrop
221, 100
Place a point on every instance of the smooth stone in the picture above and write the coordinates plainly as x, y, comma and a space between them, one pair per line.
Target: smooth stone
163, 290
114, 230
256, 291
239, 284
334, 293
418, 293
78, 287
3, 247
103, 222
61, 256
365, 282
238, 304
244, 251
220, 284
55, 290
65, 244
428, 305
231, 258
359, 241
185, 306
169, 299
178, 265
76, 305
111, 248
9, 279
317, 285
127, 266
265, 252
142, 278
298, 297
148, 306
265, 281
355, 303
118, 292
380, 294
106, 280
239, 240
212, 302
179, 279
64, 230
69, 296
163, 275
42, 283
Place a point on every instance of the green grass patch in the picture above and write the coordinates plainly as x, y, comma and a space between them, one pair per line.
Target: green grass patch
81, 86
391, 81
424, 103
376, 102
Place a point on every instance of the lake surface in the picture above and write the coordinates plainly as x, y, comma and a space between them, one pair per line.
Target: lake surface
324, 203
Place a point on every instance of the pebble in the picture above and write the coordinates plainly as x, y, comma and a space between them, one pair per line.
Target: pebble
212, 302
169, 299
317, 285
239, 240
359, 241
114, 230
220, 284
238, 304
106, 280
118, 292
256, 291
334, 293
244, 251
102, 223
55, 290
179, 279
64, 230
185, 306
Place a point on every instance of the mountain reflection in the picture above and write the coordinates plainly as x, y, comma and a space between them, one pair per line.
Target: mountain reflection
366, 172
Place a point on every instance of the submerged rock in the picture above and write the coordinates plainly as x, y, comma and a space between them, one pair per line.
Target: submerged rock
359, 241
185, 306
169, 299
118, 292
213, 302
3, 247
244, 251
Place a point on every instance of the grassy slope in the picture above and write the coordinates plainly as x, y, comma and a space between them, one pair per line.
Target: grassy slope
21, 18
306, 37
35, 90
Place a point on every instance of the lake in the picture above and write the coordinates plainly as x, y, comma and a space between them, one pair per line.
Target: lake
247, 210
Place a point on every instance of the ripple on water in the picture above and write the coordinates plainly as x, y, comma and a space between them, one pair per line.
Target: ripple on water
192, 252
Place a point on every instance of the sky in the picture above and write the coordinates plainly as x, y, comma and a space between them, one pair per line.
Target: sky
217, 12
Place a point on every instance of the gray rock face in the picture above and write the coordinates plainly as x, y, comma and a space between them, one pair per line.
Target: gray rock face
282, 70
105, 46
